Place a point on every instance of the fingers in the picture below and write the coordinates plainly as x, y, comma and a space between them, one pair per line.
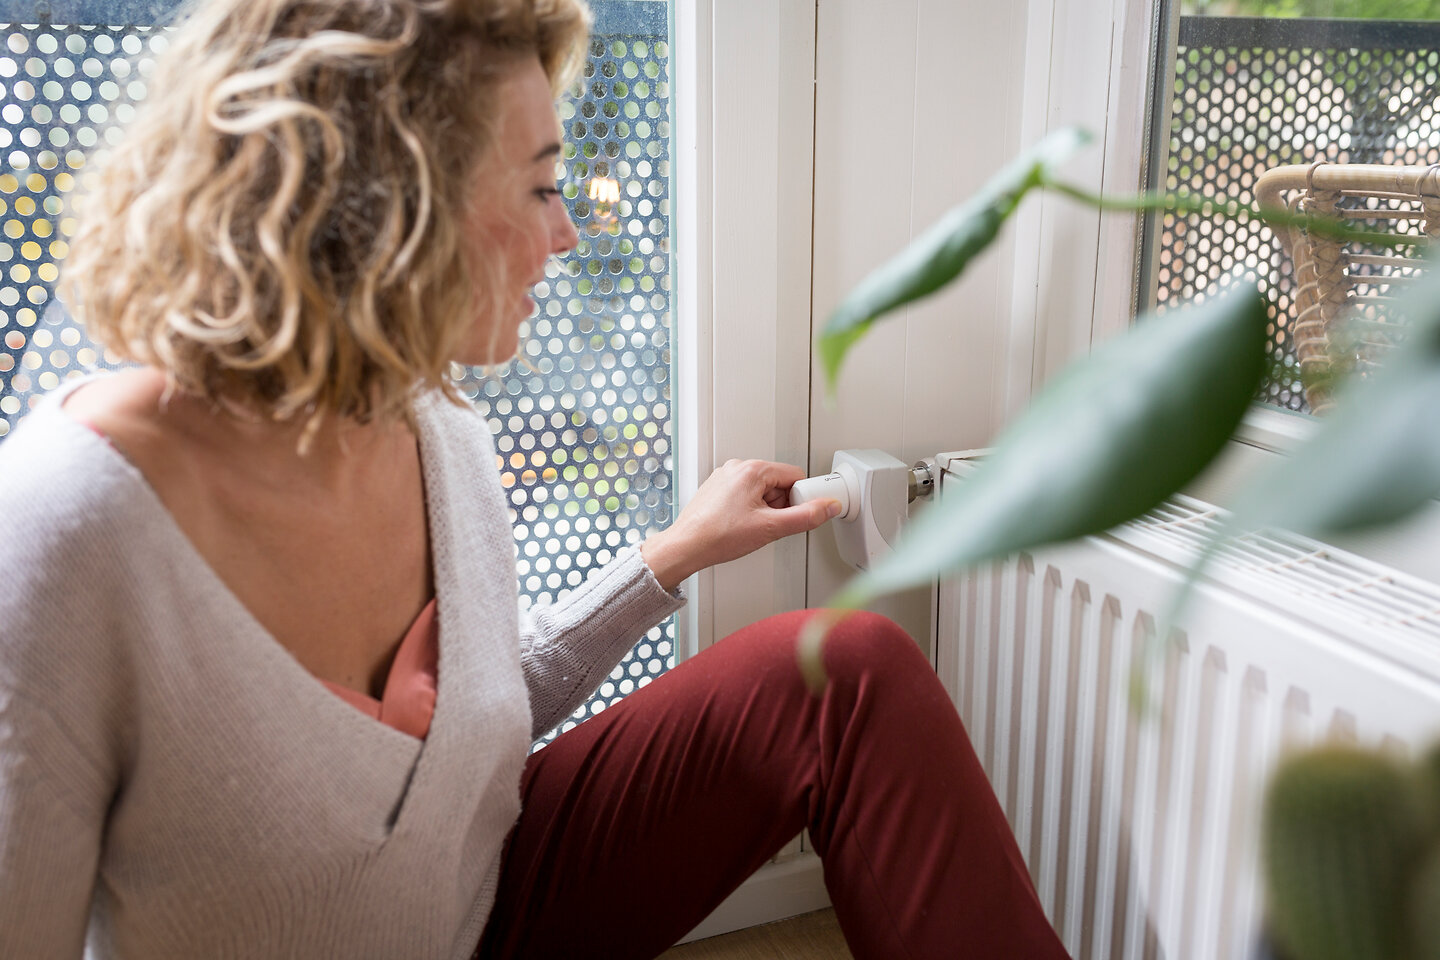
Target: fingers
767, 475
751, 499
804, 517
768, 472
779, 474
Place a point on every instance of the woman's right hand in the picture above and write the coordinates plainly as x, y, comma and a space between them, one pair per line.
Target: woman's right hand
740, 508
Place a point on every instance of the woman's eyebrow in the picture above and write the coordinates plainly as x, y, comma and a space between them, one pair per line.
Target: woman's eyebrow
546, 152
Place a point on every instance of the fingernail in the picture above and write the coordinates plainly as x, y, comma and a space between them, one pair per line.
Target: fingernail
834, 509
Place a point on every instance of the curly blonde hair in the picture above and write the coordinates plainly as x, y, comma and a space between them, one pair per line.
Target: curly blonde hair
281, 226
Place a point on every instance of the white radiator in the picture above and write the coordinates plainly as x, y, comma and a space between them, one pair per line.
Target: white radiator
1141, 831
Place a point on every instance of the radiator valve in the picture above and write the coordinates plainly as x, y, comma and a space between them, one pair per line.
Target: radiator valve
874, 490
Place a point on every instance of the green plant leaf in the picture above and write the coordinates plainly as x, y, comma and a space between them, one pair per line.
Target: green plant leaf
1376, 457
942, 253
1115, 434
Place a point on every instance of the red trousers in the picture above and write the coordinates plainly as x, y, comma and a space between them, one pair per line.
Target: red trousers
638, 822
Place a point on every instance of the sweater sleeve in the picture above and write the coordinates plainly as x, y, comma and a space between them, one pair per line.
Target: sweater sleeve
568, 647
65, 682
51, 822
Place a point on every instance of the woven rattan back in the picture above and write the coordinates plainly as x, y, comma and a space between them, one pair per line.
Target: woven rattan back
1342, 319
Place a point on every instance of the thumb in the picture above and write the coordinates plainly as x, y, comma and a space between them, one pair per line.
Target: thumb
805, 516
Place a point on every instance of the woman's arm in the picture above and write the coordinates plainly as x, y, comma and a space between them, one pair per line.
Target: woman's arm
568, 647
50, 830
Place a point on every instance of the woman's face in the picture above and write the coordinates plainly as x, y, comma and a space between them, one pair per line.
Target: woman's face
517, 219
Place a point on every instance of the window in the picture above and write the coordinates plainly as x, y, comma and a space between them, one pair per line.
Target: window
582, 419
1250, 85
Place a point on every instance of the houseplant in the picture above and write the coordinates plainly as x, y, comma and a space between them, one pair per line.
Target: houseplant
1127, 426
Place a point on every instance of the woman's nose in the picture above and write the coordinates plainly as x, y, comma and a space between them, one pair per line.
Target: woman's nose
563, 235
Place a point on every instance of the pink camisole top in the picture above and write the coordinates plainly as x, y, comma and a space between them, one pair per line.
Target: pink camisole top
408, 701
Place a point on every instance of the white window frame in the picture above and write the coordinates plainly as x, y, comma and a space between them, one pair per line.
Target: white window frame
743, 182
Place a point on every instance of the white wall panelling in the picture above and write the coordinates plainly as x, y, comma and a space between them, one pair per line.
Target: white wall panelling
917, 103
867, 121
948, 94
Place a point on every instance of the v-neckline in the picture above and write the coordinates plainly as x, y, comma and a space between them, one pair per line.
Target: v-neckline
270, 644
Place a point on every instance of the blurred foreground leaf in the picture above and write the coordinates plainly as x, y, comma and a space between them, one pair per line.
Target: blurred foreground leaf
1344, 830
1111, 437
1376, 457
944, 251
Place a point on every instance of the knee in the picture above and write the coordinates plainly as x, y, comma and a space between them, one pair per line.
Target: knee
872, 630
876, 668
860, 644
868, 642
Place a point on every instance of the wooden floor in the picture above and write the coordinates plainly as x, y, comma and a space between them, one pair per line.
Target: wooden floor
814, 936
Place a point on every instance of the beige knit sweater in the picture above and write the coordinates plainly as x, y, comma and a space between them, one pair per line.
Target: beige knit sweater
174, 784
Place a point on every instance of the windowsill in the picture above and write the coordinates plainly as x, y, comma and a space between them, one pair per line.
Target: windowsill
1273, 429
1265, 433
1410, 547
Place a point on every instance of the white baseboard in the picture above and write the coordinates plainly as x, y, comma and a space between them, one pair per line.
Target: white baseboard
775, 892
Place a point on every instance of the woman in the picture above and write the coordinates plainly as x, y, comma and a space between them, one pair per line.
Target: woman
264, 691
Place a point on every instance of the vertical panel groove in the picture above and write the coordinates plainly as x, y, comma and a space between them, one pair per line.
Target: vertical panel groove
1045, 646
1015, 686
1076, 637
1098, 735
1199, 859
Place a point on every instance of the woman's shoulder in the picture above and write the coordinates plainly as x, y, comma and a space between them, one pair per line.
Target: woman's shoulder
63, 488
47, 447
114, 403
71, 507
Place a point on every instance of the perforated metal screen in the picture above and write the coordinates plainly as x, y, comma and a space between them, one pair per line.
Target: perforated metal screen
582, 422
1249, 94
59, 88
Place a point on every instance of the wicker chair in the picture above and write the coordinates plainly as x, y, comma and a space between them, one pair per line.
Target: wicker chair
1343, 291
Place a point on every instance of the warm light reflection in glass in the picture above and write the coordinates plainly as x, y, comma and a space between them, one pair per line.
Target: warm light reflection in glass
604, 190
